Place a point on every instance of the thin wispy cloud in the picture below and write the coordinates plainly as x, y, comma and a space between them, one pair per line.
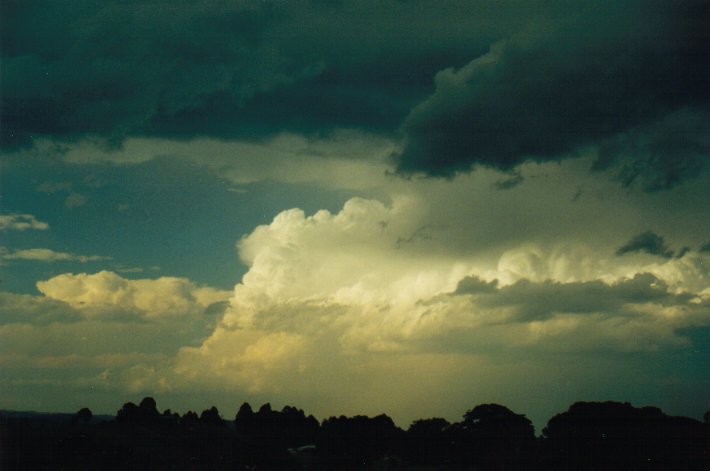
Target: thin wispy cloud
21, 222
49, 255
75, 200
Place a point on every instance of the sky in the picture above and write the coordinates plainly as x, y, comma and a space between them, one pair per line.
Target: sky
400, 207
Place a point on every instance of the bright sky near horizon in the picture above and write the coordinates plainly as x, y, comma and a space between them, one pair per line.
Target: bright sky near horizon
355, 207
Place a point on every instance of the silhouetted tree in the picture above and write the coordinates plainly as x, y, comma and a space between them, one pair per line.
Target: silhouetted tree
83, 416
493, 436
129, 412
265, 436
145, 412
428, 441
264, 412
265, 424
148, 409
595, 435
295, 428
343, 442
211, 417
189, 417
169, 414
244, 420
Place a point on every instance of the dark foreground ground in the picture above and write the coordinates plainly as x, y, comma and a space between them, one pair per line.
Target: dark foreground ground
598, 436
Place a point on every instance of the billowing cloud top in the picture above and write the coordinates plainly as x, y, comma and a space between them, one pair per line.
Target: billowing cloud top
337, 308
328, 296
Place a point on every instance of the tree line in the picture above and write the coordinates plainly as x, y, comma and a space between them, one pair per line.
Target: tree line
589, 435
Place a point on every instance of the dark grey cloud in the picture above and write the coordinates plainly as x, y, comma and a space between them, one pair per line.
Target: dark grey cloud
228, 69
648, 242
628, 314
623, 75
541, 300
109, 68
680, 253
510, 182
112, 69
661, 154
475, 285
514, 81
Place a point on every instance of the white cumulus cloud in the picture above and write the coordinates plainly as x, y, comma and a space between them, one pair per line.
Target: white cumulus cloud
152, 298
423, 298
330, 299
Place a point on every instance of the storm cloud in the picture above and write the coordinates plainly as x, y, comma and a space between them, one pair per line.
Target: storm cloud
513, 82
110, 70
626, 77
